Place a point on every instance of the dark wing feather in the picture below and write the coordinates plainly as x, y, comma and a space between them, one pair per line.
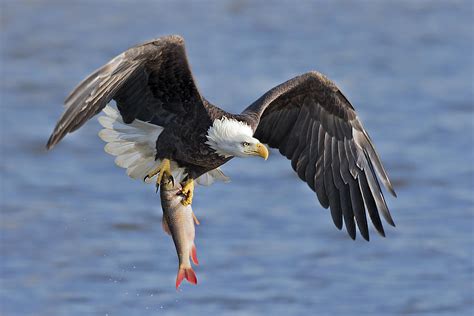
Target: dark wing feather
151, 82
313, 124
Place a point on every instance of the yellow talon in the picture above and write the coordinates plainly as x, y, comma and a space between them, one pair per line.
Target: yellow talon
188, 191
163, 168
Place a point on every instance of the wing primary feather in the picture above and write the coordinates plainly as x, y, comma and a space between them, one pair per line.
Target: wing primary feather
302, 164
86, 83
335, 164
327, 151
319, 175
313, 145
319, 186
347, 212
334, 200
370, 204
376, 162
349, 199
344, 165
313, 156
359, 209
309, 174
377, 192
333, 193
350, 157
339, 184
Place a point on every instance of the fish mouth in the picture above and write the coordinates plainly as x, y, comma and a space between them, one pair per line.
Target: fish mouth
167, 182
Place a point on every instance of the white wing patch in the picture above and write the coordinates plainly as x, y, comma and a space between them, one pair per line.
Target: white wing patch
134, 145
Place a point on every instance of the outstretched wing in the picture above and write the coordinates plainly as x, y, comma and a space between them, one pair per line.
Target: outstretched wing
311, 122
151, 82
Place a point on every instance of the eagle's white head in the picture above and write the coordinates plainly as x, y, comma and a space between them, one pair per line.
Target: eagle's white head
229, 137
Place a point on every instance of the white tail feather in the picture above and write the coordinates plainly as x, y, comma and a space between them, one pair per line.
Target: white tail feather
212, 176
118, 148
134, 145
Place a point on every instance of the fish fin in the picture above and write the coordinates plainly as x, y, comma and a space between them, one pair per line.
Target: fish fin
193, 254
165, 226
187, 273
195, 219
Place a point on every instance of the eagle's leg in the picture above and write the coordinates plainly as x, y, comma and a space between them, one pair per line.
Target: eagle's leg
188, 191
163, 168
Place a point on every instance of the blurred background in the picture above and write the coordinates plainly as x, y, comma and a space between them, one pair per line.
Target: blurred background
78, 237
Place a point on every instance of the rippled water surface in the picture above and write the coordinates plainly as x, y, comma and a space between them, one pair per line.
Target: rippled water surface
78, 237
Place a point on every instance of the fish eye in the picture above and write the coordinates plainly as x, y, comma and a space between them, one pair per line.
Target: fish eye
245, 144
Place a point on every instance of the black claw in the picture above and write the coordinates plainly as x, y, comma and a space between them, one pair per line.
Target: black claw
146, 177
157, 186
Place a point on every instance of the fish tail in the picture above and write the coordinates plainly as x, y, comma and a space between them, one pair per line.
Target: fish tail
187, 273
193, 255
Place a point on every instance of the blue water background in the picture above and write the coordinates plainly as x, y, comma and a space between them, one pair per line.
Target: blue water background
78, 237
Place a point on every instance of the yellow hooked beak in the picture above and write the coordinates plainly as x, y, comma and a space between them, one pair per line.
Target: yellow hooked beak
260, 150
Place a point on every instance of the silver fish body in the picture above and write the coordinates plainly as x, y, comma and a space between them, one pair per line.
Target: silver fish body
178, 221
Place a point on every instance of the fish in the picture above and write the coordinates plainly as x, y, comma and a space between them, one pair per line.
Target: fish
178, 221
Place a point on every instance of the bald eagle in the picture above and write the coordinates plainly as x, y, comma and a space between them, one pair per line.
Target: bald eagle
163, 125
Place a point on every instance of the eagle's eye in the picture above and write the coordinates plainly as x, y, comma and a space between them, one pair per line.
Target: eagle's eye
245, 144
